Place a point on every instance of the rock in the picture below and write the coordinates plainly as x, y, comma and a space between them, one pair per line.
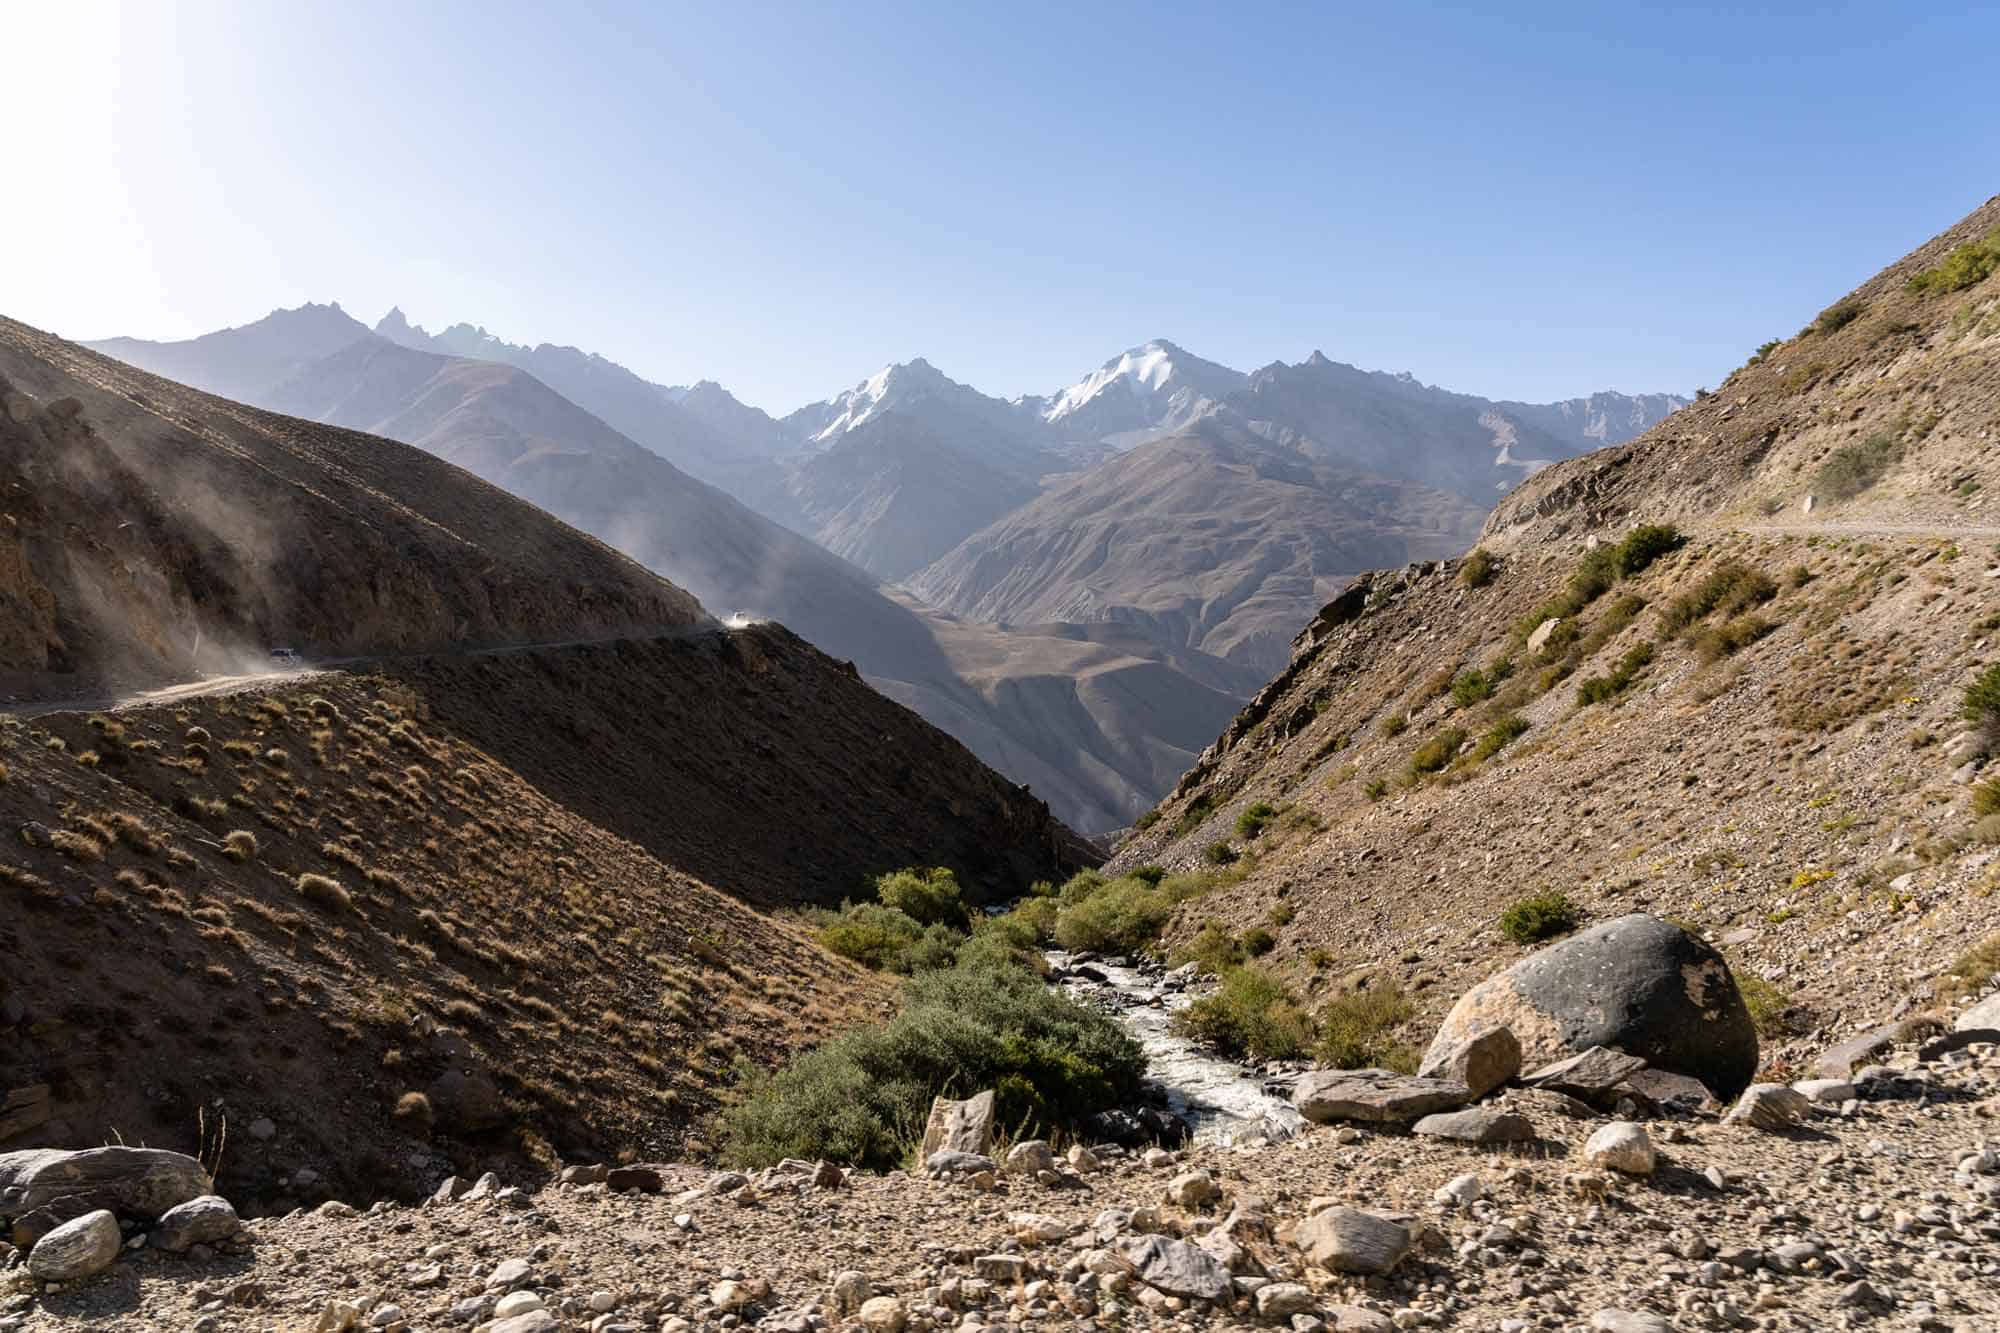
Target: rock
1459, 1192
827, 1176
1539, 639
1082, 1160
635, 1180
1379, 1095
337, 1317
386, 1316
1037, 1228
77, 1249
1176, 1267
1476, 1126
1003, 1268
1664, 1088
450, 1189
1346, 1240
1841, 1061
1282, 1300
1621, 1146
1136, 1129
485, 1187
883, 1314
262, 1129
23, 1109
849, 1290
1592, 1077
1193, 1189
516, 1303
467, 1101
1029, 1157
1636, 984
137, 1182
1481, 1060
202, 1221
585, 1175
729, 1295
509, 1274
726, 1182
1832, 1091
963, 1126
1623, 1321
1358, 1319
535, 1321
1770, 1106
1981, 1017
948, 1163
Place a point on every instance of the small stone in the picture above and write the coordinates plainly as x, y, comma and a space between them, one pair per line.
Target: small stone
337, 1317
262, 1130
1459, 1192
1282, 1300
1346, 1240
535, 1321
729, 1295
1481, 1060
1155, 1158
384, 1316
1176, 1267
849, 1290
1082, 1160
519, 1302
1029, 1157
508, 1274
203, 1221
1621, 1146
637, 1180
1359, 1319
1476, 1126
1625, 1321
883, 1314
80, 1248
1770, 1106
1193, 1189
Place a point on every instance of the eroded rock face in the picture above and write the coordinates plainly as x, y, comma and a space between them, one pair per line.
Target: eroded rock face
139, 1182
960, 1126
1636, 984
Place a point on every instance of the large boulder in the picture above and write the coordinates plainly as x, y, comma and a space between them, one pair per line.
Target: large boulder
1636, 984
138, 1182
960, 1126
203, 1221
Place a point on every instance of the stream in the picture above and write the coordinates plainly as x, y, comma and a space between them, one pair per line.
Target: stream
1220, 1100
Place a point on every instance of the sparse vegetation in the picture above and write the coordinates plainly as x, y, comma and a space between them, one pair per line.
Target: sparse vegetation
1854, 468
1767, 1003
862, 1098
1438, 751
1251, 1013
1541, 916
928, 897
1478, 569
1603, 689
1971, 971
1982, 701
1837, 317
1219, 854
1732, 587
1505, 730
323, 891
1602, 568
1967, 265
1356, 1030
1254, 819
240, 845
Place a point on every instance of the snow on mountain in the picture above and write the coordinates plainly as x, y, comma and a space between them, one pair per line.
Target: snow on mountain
1150, 389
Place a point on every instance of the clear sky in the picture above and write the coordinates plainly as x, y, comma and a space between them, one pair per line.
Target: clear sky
1507, 200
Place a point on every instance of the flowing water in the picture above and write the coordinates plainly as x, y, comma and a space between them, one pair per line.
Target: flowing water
1221, 1101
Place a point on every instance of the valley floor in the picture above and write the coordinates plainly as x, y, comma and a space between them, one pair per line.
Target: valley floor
1882, 1213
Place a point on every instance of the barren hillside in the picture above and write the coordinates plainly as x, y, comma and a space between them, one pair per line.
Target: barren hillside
1755, 729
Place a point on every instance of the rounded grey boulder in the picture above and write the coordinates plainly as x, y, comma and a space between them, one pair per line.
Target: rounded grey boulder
1637, 985
202, 1221
77, 1249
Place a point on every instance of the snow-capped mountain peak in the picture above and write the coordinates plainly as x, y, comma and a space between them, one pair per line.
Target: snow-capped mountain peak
1153, 387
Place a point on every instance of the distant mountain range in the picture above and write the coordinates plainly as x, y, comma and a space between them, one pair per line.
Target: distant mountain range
1202, 511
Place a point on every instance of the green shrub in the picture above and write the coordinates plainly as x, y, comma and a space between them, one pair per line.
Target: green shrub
1258, 941
1853, 468
925, 896
1252, 1013
1146, 821
1600, 689
1037, 916
1213, 949
1982, 701
1282, 915
1151, 874
1719, 641
1080, 886
863, 1097
887, 939
1471, 687
1732, 587
1837, 317
1477, 570
1395, 724
1124, 916
1375, 788
1255, 818
1219, 854
1495, 740
1986, 799
1539, 917
1642, 546
1438, 751
1767, 1004
1765, 350
1966, 266
1356, 1030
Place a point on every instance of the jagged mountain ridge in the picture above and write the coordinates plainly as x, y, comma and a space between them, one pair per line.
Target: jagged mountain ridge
1213, 538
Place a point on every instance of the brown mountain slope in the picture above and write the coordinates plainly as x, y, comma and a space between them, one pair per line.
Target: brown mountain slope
538, 980
1215, 539
152, 530
1789, 771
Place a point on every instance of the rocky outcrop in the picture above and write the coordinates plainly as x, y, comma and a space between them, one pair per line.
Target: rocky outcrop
1637, 985
136, 1182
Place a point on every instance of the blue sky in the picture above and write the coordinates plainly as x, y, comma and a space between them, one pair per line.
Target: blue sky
1516, 203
